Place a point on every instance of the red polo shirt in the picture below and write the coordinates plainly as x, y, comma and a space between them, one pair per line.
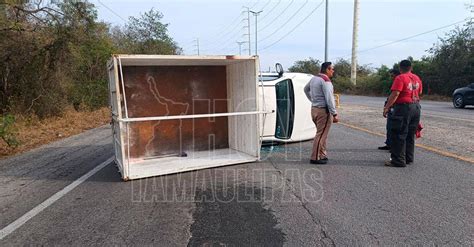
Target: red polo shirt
410, 87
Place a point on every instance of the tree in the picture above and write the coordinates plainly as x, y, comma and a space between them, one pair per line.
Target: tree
145, 35
88, 49
310, 66
451, 61
50, 55
25, 61
53, 54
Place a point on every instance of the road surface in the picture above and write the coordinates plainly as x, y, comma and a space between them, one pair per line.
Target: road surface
281, 200
446, 130
429, 108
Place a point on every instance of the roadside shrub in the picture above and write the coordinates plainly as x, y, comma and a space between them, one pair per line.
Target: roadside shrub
7, 130
342, 84
370, 85
89, 95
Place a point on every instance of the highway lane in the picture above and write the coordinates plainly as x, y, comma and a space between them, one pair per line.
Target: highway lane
281, 200
429, 108
445, 128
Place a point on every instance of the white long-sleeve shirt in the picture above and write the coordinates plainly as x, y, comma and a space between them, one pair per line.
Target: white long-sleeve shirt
321, 94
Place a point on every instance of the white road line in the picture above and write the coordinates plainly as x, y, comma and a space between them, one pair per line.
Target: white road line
38, 209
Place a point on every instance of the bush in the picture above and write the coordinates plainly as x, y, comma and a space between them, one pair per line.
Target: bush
342, 85
89, 95
7, 131
371, 85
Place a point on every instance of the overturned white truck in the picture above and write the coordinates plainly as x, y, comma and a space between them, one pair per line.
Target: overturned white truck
180, 113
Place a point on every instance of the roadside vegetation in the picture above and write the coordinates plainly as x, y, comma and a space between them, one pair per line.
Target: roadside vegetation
448, 65
52, 66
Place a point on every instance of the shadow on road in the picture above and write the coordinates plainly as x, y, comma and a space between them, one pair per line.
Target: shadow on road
237, 219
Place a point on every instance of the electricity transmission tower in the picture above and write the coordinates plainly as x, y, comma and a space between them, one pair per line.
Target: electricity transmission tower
197, 45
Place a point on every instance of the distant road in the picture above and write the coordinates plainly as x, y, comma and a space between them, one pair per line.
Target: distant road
432, 108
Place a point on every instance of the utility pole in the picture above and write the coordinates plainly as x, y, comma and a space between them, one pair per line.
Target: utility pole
240, 46
326, 34
471, 20
197, 45
354, 43
256, 15
248, 29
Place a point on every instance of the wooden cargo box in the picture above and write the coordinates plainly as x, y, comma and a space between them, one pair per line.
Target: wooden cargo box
180, 113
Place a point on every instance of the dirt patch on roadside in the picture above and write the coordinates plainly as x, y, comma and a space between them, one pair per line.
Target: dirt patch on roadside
32, 132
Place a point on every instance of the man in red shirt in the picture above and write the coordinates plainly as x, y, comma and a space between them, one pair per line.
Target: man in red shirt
405, 98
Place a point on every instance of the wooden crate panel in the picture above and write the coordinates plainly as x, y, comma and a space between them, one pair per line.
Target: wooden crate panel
176, 90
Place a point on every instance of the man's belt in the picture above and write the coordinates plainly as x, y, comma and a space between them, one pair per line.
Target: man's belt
407, 103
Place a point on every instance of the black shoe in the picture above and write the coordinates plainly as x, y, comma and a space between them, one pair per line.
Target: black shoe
409, 162
319, 162
326, 159
384, 147
389, 163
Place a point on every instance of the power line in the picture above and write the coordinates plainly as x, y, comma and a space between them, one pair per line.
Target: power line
287, 21
410, 37
297, 25
270, 11
232, 22
112, 11
229, 36
224, 31
276, 17
222, 35
230, 41
255, 4
266, 4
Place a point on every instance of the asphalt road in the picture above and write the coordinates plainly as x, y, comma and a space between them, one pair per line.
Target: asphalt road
429, 108
281, 200
446, 128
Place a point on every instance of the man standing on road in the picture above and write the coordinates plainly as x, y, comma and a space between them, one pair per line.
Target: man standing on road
320, 92
393, 73
404, 99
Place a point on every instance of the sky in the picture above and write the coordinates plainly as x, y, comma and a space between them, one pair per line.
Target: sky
292, 30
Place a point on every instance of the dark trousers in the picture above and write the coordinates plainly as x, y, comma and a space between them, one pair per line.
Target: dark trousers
404, 122
388, 128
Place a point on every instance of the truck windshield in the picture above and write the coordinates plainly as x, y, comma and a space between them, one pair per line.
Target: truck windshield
285, 109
